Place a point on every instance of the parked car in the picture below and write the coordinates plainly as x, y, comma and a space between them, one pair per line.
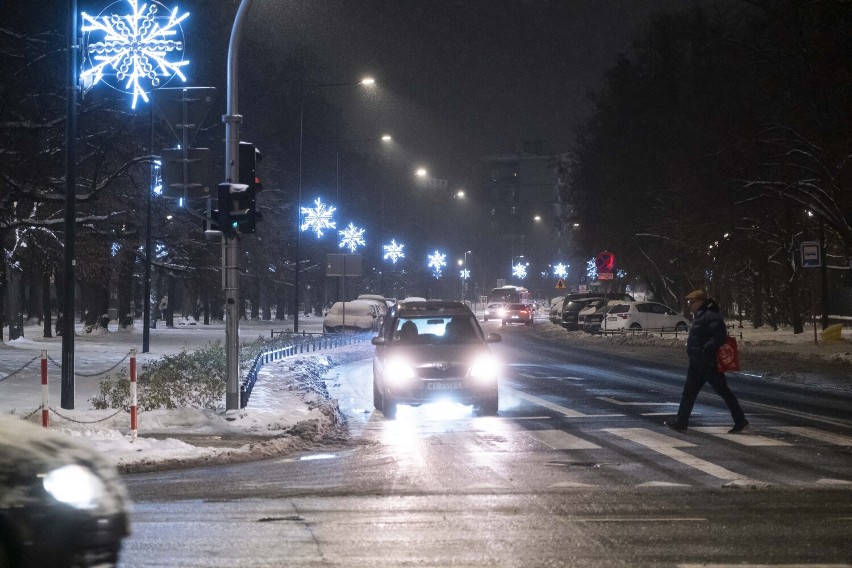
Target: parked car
61, 503
555, 313
380, 300
639, 315
493, 311
591, 308
429, 350
572, 309
357, 315
518, 313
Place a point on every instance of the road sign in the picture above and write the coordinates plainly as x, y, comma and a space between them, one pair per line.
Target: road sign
605, 261
810, 254
560, 284
605, 275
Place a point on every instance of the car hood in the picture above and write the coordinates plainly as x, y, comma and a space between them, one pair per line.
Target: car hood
424, 355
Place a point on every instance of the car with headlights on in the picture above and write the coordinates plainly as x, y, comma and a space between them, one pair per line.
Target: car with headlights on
493, 311
62, 504
518, 313
433, 350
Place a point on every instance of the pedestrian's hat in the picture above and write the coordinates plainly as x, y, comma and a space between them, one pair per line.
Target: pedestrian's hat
699, 295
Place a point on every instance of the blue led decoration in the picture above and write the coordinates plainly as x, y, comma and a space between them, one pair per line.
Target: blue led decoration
560, 270
352, 237
436, 262
464, 273
136, 51
318, 218
393, 251
519, 271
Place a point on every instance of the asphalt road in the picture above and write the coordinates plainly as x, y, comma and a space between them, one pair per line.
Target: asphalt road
577, 470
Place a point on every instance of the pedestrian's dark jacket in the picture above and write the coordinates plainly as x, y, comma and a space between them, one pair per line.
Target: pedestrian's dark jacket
707, 334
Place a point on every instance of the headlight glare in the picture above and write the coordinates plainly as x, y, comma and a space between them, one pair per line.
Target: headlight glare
485, 369
398, 372
74, 485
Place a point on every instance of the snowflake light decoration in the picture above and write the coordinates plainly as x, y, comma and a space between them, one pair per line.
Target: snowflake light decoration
519, 271
393, 251
436, 262
560, 270
464, 273
126, 51
352, 237
318, 218
591, 269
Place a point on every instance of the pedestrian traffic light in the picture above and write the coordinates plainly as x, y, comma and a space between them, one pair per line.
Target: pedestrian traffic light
236, 209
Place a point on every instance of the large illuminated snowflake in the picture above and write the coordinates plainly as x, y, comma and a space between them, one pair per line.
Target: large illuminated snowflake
464, 273
560, 270
352, 237
519, 271
591, 269
127, 50
436, 262
393, 251
318, 218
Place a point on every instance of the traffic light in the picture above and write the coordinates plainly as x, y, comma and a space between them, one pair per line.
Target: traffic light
236, 209
249, 156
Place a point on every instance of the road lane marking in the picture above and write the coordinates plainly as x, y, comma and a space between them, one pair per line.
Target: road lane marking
743, 439
571, 485
625, 403
661, 484
531, 376
559, 440
667, 446
552, 406
819, 435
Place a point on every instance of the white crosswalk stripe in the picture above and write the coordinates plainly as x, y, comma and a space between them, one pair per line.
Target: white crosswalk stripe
744, 439
819, 435
560, 440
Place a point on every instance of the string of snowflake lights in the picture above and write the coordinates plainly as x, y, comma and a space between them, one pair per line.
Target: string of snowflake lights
560, 270
436, 262
126, 50
318, 218
519, 271
393, 251
352, 237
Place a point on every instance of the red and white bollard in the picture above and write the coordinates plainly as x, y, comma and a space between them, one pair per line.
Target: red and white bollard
45, 395
133, 423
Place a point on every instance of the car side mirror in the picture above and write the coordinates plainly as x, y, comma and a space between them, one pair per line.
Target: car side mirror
378, 340
493, 338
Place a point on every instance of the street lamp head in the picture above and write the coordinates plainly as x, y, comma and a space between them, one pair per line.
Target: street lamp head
537, 218
387, 138
421, 172
460, 194
368, 82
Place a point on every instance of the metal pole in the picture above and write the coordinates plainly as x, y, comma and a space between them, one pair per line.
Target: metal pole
146, 294
67, 391
231, 245
298, 221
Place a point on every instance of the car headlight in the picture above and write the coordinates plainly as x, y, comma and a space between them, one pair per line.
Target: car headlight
74, 485
485, 369
398, 372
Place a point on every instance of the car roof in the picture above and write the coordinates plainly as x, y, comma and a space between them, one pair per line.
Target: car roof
431, 307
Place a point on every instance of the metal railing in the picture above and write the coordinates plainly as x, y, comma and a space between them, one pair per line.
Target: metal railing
302, 343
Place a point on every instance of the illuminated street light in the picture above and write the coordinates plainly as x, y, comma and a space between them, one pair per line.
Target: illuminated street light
537, 218
368, 82
387, 138
421, 172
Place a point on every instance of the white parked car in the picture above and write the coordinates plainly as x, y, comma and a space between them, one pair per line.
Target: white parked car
357, 315
642, 315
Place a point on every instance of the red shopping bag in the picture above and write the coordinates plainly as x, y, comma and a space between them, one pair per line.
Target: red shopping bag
728, 356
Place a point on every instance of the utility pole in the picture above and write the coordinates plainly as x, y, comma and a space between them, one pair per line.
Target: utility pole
230, 241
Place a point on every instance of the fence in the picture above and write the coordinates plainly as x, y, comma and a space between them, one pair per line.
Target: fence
661, 331
301, 343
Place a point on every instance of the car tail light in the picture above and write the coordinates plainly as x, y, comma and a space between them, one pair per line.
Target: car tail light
623, 316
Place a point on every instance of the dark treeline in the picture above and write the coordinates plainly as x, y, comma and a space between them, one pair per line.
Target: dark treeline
717, 147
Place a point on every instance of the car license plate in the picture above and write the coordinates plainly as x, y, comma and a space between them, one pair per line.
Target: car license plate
444, 385
612, 318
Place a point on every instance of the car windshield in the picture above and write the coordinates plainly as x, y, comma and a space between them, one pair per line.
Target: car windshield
437, 330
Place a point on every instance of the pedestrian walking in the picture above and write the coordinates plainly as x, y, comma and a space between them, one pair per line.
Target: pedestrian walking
707, 334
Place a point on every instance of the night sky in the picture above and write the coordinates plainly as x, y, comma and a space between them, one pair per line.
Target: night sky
461, 79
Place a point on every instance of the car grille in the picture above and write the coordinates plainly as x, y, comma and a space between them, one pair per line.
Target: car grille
435, 372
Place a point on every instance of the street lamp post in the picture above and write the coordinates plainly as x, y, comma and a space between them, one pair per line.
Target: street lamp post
366, 82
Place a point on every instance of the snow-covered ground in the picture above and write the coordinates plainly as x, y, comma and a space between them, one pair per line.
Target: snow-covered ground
290, 407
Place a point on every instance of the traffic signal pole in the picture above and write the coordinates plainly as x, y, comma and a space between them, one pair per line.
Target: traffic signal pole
230, 239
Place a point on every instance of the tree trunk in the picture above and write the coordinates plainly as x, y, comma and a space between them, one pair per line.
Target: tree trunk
757, 300
45, 304
170, 310
16, 301
125, 285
